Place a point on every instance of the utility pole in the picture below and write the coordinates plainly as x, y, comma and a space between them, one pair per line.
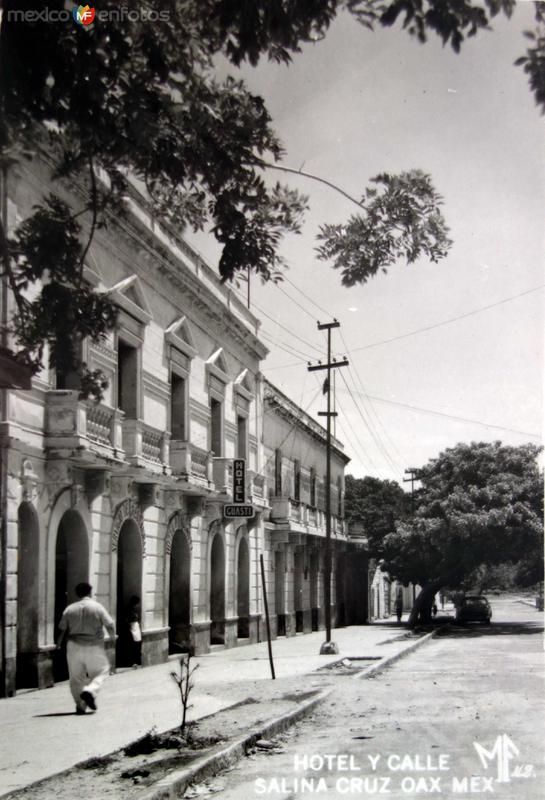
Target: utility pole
413, 476
328, 646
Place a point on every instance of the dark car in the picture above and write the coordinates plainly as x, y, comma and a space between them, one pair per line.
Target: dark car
474, 608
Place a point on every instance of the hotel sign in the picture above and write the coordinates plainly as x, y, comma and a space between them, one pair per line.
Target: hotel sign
238, 508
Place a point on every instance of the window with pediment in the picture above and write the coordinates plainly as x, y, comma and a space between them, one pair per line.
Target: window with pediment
181, 349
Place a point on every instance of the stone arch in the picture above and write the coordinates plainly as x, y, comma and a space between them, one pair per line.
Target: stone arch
242, 561
314, 570
217, 583
28, 601
67, 501
340, 586
72, 556
128, 509
177, 522
298, 590
128, 574
178, 549
280, 590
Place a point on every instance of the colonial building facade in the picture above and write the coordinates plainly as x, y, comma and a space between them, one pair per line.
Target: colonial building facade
129, 493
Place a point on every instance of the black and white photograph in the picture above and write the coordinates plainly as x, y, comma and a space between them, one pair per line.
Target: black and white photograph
271, 395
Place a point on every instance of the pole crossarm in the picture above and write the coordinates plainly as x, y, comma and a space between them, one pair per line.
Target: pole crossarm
323, 326
330, 365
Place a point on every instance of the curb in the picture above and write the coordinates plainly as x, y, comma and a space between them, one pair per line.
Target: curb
178, 781
375, 669
171, 787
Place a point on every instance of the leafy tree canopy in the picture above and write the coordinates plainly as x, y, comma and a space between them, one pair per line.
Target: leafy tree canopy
377, 505
141, 98
480, 505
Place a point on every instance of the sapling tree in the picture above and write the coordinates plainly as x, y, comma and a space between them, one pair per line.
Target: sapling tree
185, 685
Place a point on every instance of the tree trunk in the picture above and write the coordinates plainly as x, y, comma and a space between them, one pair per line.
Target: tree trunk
421, 610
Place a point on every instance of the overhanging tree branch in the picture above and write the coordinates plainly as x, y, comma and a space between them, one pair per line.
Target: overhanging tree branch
317, 178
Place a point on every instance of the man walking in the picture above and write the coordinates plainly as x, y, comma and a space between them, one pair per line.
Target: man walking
82, 624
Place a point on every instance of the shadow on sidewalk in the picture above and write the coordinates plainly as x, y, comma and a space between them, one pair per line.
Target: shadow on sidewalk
473, 629
58, 714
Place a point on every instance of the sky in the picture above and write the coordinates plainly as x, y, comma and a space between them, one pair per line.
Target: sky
359, 103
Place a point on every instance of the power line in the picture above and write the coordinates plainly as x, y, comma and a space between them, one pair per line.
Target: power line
298, 419
285, 328
377, 417
293, 300
351, 436
375, 438
449, 321
419, 330
306, 296
285, 346
452, 416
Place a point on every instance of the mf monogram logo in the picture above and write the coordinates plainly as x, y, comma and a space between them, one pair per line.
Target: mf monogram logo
502, 752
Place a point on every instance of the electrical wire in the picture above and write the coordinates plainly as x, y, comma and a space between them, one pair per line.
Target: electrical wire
449, 321
380, 447
371, 411
433, 412
293, 424
287, 348
353, 434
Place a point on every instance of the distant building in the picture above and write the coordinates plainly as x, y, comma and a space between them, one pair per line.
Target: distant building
295, 467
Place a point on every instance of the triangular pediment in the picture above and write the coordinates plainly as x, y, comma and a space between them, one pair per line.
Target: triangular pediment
179, 335
92, 272
129, 294
244, 384
217, 365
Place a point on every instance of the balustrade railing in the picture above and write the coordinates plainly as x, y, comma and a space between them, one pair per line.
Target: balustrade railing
145, 445
190, 462
223, 475
82, 425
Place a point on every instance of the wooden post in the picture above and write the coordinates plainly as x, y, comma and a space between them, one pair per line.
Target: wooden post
267, 616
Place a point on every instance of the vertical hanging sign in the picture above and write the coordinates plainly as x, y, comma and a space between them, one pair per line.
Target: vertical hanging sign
239, 480
238, 508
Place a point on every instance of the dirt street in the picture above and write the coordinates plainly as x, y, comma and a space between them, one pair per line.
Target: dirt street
462, 717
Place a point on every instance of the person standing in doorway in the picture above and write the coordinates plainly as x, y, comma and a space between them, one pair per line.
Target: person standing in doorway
82, 625
135, 632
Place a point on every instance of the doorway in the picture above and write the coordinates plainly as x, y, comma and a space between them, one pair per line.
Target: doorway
71, 568
129, 584
28, 542
179, 594
217, 591
243, 590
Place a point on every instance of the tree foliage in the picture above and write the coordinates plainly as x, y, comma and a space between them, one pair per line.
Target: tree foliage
403, 221
377, 505
480, 505
140, 98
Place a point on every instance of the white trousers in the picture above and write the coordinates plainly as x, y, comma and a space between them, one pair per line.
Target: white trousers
88, 666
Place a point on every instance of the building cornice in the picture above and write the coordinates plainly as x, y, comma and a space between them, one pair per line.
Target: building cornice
282, 405
185, 269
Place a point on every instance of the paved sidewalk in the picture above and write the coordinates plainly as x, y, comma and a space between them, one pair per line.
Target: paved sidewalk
41, 736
